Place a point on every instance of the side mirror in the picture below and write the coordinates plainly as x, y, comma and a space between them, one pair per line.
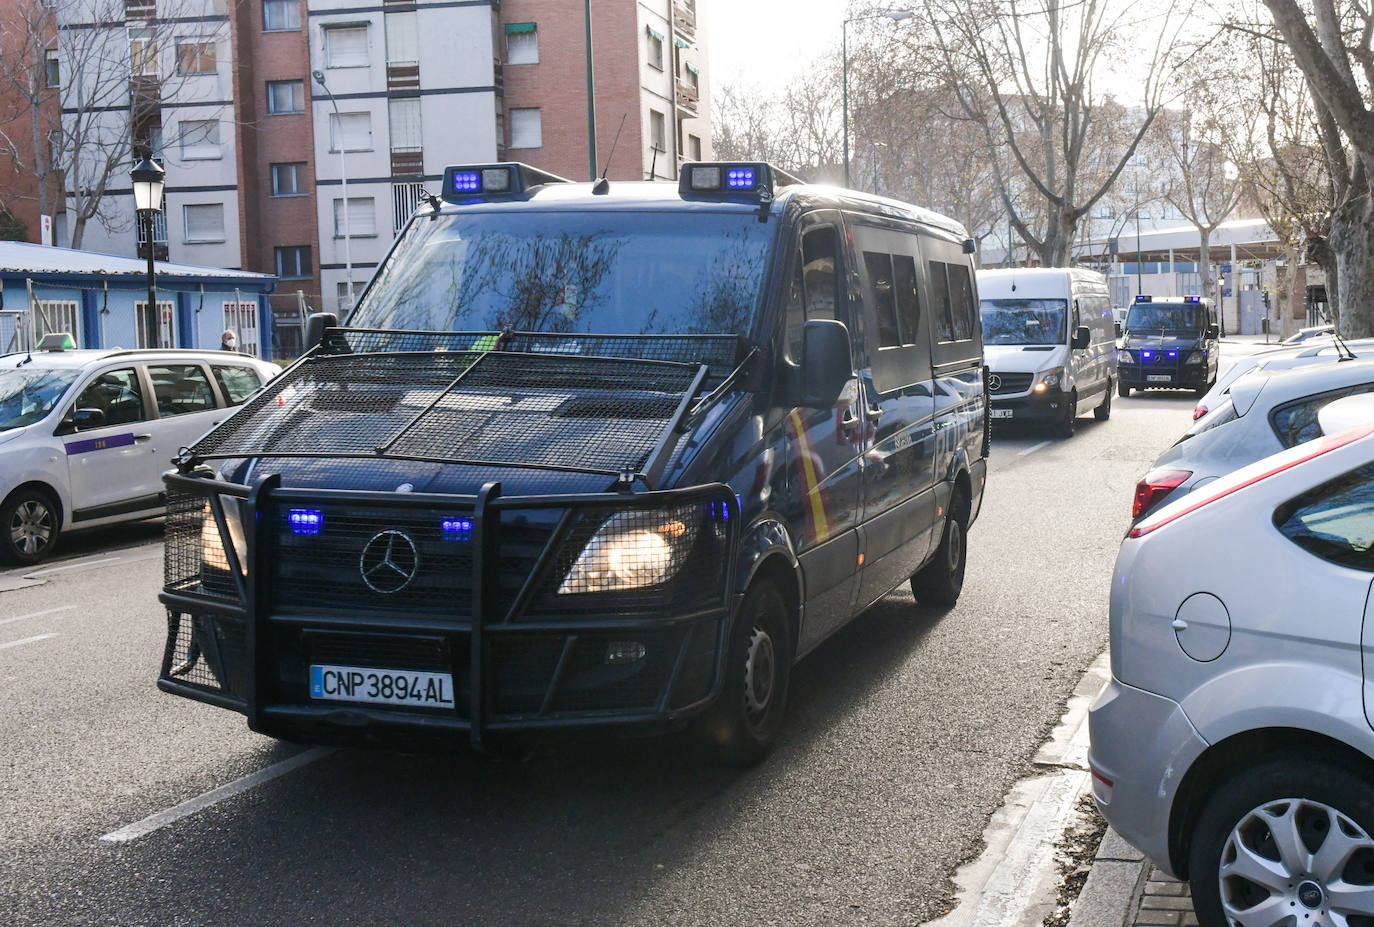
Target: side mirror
1119, 332
83, 419
826, 366
1213, 332
1082, 338
315, 325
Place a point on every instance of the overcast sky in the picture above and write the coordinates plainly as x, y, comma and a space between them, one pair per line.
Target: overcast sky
766, 42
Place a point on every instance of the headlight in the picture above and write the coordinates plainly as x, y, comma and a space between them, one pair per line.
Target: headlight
212, 553
1126, 357
1196, 357
633, 550
1049, 379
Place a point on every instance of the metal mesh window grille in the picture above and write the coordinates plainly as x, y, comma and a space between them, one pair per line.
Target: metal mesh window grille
405, 199
57, 315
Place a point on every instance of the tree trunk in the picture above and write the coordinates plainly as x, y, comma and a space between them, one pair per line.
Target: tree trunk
78, 229
1352, 242
1204, 265
1320, 251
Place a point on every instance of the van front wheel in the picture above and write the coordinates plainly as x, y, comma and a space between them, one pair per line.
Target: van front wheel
940, 581
1123, 390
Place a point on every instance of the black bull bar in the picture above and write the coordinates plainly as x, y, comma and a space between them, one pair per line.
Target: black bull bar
520, 645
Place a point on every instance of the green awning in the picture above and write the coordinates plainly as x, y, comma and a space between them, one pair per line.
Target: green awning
515, 28
680, 42
693, 69
658, 36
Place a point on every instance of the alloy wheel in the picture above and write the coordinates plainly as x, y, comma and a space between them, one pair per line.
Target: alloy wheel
31, 527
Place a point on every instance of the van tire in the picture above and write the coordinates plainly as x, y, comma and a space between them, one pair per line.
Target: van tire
1123, 390
1104, 411
1068, 423
743, 725
941, 580
30, 525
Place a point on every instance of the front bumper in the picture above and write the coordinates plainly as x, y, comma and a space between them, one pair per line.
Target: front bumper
1142, 745
521, 656
1162, 375
1038, 408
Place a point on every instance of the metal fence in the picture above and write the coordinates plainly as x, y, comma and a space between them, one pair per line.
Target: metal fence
14, 331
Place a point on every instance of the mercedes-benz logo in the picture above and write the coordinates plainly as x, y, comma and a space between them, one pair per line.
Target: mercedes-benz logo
389, 562
994, 382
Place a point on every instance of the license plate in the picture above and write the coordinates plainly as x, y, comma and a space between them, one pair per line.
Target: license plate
1159, 378
381, 686
1001, 413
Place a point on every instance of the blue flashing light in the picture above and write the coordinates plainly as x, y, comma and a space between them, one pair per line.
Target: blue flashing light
456, 529
305, 521
740, 178
1173, 354
1146, 354
1192, 299
467, 181
1144, 299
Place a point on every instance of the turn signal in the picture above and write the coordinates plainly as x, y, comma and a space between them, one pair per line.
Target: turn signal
1154, 486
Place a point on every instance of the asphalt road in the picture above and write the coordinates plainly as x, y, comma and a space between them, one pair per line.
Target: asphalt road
905, 732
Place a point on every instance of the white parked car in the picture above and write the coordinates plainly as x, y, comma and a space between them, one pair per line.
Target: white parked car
86, 435
1279, 359
1234, 744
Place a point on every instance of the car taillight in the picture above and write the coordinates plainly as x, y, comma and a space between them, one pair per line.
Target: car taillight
1249, 476
1154, 486
1199, 411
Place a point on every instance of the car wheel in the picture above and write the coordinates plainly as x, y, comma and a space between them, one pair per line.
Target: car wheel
1285, 843
29, 527
1066, 425
1123, 390
1104, 411
743, 725
941, 580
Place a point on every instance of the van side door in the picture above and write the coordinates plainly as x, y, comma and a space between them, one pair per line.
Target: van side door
823, 446
899, 410
956, 331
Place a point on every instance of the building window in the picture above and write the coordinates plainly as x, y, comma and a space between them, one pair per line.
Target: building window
402, 39
658, 130
345, 46
404, 116
293, 262
526, 128
693, 77
289, 179
345, 303
654, 42
362, 217
195, 57
142, 52
242, 319
285, 96
279, 15
522, 43
51, 72
694, 148
204, 222
57, 315
156, 329
199, 140
350, 131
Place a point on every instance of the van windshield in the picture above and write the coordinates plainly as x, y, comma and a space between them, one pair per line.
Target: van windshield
1024, 321
1154, 317
28, 395
623, 273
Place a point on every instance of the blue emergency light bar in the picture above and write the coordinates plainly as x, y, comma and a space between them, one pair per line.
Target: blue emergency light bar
465, 183
1144, 299
731, 180
1192, 299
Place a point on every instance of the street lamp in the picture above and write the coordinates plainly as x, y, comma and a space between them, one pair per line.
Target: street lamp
343, 180
896, 16
148, 180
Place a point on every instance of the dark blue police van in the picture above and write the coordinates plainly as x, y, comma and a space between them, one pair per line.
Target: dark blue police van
1169, 343
611, 455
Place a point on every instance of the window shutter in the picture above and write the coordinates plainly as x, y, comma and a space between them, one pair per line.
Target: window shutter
346, 46
402, 39
362, 216
351, 131
205, 222
405, 125
526, 128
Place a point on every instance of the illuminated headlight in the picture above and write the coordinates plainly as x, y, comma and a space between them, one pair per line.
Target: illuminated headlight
1196, 357
1050, 379
212, 553
633, 550
1126, 357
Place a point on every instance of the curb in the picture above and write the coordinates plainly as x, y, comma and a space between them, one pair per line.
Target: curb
1114, 886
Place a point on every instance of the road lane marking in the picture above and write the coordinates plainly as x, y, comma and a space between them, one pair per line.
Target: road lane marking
214, 796
1033, 448
46, 611
76, 565
27, 640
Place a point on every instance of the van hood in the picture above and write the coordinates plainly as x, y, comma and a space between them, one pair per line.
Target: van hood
1018, 358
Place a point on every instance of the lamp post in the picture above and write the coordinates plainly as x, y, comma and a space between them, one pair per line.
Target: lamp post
343, 181
896, 16
148, 180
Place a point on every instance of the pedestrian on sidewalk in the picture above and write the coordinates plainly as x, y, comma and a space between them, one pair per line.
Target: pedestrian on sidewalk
229, 341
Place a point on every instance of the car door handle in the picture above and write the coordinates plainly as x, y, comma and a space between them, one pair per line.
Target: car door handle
849, 419
143, 437
874, 414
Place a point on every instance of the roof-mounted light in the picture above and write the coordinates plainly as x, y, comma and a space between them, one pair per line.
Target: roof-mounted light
1192, 299
1144, 299
732, 180
467, 182
57, 341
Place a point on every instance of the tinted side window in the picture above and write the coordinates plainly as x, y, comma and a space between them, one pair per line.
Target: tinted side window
117, 394
908, 302
237, 383
1296, 422
939, 298
181, 389
880, 291
1335, 521
961, 301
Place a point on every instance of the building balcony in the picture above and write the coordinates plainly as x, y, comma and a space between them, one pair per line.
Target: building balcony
685, 19
407, 162
688, 98
140, 10
402, 76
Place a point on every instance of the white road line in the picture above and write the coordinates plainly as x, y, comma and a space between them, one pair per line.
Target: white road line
1033, 448
200, 802
27, 640
77, 565
46, 611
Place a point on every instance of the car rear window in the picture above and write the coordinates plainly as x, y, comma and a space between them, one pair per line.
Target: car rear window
237, 383
1296, 422
1334, 521
181, 389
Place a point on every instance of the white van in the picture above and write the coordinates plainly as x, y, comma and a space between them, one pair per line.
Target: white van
1050, 344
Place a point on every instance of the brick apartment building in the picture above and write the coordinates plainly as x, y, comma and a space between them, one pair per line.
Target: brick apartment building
29, 110
252, 145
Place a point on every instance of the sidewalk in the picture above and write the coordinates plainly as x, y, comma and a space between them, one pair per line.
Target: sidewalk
1123, 890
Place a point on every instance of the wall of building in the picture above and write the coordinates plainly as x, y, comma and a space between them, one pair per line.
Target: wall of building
22, 47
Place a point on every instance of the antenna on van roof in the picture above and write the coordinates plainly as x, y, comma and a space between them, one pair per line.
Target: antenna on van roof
1345, 352
602, 186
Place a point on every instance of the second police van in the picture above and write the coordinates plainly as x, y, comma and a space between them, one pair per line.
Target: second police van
611, 455
1051, 345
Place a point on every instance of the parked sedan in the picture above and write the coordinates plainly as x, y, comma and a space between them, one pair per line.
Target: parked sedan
1314, 352
86, 435
1233, 744
1264, 412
